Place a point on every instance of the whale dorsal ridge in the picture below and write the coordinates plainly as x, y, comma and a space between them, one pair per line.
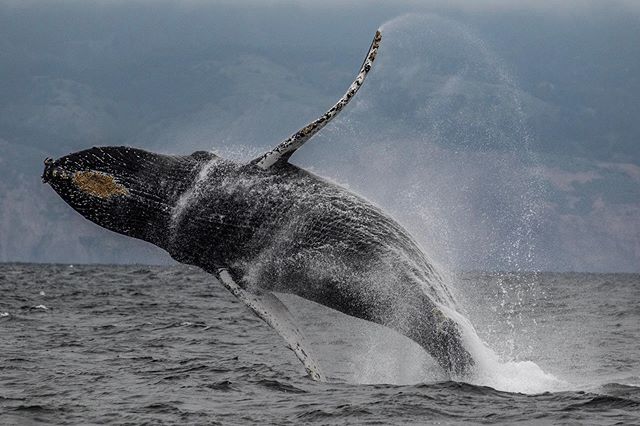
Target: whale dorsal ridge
285, 149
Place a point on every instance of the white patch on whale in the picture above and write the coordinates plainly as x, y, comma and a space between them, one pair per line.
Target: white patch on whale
190, 194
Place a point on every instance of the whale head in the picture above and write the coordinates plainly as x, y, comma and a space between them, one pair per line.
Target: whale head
126, 190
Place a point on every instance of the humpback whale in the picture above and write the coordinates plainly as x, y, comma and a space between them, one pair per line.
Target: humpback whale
269, 226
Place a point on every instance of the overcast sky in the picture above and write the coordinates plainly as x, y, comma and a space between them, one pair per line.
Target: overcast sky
503, 135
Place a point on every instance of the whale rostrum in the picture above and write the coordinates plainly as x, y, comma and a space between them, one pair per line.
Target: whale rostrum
269, 226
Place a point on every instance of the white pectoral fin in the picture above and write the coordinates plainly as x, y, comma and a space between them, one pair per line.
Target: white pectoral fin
272, 311
286, 148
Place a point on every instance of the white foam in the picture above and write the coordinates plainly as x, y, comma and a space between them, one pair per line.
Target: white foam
4, 314
40, 307
504, 375
515, 376
509, 376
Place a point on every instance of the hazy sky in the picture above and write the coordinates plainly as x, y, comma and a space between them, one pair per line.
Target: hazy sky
503, 135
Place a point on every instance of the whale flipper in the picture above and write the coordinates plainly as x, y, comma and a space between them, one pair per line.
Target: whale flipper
285, 149
272, 311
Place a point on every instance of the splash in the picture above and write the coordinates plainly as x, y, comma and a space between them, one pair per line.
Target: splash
515, 376
475, 136
473, 197
509, 376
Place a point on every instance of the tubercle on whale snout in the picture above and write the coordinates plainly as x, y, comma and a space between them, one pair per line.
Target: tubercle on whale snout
46, 174
51, 171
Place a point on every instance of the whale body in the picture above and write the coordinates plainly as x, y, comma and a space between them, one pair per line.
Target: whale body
269, 226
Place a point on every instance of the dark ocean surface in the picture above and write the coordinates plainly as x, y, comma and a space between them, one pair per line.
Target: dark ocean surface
138, 344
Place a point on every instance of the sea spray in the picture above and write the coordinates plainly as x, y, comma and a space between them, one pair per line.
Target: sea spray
441, 74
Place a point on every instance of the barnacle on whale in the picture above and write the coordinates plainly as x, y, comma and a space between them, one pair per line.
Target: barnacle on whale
98, 184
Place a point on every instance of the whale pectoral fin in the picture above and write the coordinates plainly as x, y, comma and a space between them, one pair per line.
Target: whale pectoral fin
282, 152
272, 311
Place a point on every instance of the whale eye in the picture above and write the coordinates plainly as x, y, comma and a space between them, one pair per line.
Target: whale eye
98, 184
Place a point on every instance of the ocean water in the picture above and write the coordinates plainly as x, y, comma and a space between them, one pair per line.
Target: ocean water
138, 344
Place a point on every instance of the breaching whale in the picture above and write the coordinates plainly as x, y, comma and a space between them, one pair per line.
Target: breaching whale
268, 226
